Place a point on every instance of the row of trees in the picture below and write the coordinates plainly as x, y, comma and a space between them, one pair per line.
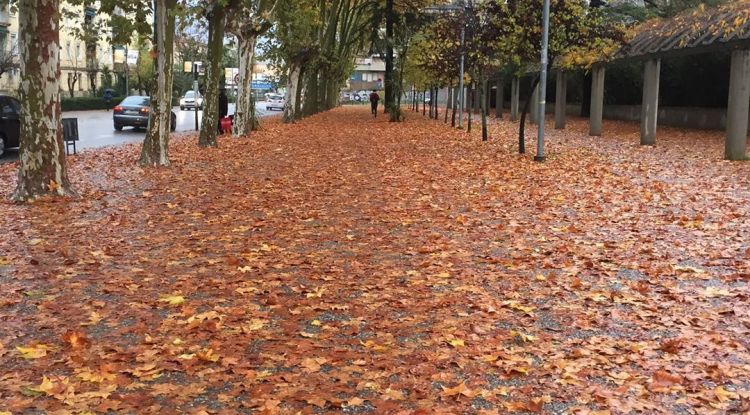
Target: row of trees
503, 39
313, 44
42, 168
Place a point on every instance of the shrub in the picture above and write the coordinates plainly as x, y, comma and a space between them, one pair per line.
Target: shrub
86, 103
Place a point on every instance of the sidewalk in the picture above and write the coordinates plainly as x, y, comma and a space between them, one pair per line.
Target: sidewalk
345, 264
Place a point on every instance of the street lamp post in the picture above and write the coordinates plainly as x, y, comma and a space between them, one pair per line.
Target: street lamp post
195, 93
543, 84
127, 73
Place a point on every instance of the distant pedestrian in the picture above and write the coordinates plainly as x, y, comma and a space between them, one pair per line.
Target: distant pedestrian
223, 106
374, 98
108, 98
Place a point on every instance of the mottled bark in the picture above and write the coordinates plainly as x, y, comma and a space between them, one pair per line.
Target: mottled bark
484, 104
216, 26
390, 18
310, 105
298, 100
472, 99
448, 103
290, 106
42, 167
248, 21
155, 151
455, 106
244, 112
522, 123
434, 100
332, 96
323, 93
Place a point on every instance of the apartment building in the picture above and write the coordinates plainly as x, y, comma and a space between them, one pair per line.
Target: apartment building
81, 62
369, 73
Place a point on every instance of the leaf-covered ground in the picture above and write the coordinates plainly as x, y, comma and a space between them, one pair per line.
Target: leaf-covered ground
350, 265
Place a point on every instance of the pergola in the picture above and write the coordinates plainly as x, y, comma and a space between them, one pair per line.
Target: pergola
693, 32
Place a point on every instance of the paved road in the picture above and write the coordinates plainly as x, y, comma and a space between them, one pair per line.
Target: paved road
95, 128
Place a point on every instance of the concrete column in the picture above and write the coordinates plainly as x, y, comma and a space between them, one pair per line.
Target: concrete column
561, 92
650, 103
514, 99
534, 106
499, 99
597, 100
735, 146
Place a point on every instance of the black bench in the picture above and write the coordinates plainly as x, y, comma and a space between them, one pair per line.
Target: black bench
70, 133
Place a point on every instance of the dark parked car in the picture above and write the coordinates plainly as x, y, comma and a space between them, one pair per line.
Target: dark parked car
10, 122
133, 112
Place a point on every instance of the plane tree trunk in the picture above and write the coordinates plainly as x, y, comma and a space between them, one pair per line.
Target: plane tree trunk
244, 114
247, 24
42, 169
216, 25
389, 78
156, 144
310, 106
290, 106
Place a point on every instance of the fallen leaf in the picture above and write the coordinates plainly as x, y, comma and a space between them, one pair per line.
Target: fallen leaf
717, 292
76, 339
33, 352
172, 300
317, 401
456, 343
355, 401
94, 318
724, 395
459, 390
662, 381
523, 337
45, 387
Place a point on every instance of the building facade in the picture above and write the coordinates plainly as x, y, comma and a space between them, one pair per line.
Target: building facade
81, 61
369, 73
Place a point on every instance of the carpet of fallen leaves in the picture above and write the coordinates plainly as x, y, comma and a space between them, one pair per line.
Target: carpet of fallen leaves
351, 265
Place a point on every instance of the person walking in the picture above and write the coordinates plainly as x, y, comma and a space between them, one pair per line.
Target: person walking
374, 98
108, 98
223, 106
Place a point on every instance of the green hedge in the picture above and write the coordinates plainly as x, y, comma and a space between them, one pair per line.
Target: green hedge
86, 103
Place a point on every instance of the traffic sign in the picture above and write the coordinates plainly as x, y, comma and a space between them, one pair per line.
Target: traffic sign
262, 85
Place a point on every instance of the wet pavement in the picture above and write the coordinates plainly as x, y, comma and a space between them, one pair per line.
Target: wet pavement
95, 128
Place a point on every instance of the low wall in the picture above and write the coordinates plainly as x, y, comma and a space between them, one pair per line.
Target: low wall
683, 117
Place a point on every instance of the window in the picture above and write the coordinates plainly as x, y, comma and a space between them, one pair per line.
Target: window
10, 107
4, 39
6, 108
136, 101
15, 104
